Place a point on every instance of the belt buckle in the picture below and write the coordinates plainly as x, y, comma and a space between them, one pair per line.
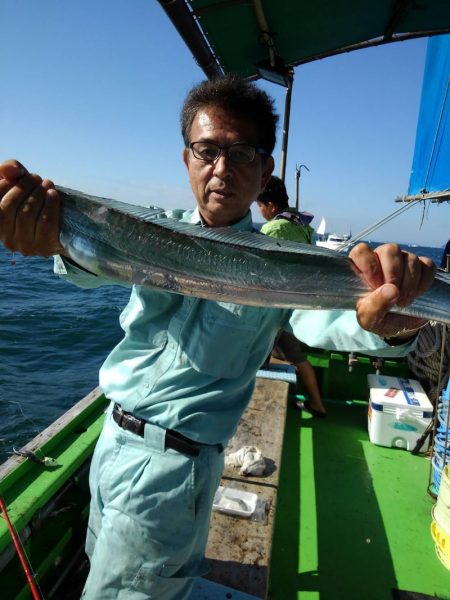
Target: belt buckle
133, 423
125, 420
118, 415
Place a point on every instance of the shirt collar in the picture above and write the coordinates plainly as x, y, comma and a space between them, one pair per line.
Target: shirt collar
245, 224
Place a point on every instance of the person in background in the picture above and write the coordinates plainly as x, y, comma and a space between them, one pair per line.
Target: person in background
283, 222
288, 224
184, 372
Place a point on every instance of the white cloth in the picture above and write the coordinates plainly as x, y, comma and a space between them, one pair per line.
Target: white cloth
249, 458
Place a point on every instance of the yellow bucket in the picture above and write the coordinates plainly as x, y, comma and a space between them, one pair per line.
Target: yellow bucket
444, 560
441, 512
442, 541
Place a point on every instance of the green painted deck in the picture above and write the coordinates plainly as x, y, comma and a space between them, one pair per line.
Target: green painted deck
364, 528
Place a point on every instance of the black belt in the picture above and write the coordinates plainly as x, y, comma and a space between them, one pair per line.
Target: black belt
173, 439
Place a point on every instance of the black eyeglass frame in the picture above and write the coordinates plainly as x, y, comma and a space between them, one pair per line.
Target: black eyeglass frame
256, 149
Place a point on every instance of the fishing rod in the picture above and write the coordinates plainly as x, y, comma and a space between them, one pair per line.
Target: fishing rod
27, 570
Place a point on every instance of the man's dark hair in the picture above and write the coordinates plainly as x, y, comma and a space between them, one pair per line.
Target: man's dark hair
275, 191
243, 99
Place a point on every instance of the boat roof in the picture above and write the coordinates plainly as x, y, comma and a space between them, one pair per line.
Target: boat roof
257, 38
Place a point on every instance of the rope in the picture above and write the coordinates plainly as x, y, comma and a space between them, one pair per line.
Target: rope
382, 221
28, 574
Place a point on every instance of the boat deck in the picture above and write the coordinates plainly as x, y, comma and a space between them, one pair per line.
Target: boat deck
364, 529
239, 549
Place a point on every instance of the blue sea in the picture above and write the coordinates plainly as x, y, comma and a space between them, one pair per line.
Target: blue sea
53, 339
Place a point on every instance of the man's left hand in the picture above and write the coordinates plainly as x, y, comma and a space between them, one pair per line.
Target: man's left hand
397, 277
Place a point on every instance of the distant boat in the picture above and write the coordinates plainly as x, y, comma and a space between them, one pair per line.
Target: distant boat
333, 241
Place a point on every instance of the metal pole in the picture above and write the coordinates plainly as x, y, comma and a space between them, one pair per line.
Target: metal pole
297, 175
287, 115
185, 23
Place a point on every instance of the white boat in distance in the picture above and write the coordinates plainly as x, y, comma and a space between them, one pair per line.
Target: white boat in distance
333, 241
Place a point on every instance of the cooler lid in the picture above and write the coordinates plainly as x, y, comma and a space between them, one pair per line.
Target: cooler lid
398, 392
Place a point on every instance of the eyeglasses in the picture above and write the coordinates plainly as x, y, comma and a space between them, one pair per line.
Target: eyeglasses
242, 154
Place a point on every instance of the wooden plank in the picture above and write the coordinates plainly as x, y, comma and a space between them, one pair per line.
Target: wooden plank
262, 425
239, 549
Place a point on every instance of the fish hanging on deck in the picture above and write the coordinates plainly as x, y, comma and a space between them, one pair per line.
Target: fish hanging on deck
142, 246
45, 461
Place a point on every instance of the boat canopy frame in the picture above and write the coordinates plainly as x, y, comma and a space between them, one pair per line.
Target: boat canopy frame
268, 38
240, 36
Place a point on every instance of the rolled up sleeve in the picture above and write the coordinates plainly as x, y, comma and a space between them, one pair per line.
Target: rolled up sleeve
339, 330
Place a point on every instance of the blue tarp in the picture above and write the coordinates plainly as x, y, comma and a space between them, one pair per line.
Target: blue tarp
431, 163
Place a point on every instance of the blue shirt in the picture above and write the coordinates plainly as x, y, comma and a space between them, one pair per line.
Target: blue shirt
189, 364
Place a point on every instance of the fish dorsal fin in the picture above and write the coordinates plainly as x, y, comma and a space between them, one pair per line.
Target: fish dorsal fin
443, 276
226, 235
243, 239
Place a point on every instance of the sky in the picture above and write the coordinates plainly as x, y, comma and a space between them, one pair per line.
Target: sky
90, 97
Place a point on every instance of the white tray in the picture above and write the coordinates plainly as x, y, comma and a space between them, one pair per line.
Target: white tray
234, 502
281, 372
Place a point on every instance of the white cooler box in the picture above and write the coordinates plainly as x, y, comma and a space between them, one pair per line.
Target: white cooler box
399, 411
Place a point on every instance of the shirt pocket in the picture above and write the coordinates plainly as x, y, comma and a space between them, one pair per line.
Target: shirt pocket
218, 342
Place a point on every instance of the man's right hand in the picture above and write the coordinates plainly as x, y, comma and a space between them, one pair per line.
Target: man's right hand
29, 212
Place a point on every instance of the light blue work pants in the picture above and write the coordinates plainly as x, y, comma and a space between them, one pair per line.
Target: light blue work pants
149, 517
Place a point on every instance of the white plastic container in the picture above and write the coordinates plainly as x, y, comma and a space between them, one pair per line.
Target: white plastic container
235, 502
399, 411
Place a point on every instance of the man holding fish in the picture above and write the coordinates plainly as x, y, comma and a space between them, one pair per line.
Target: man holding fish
184, 372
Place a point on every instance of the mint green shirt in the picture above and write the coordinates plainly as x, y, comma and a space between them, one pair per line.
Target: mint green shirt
189, 364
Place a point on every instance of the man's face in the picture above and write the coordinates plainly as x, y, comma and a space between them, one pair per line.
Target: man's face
224, 190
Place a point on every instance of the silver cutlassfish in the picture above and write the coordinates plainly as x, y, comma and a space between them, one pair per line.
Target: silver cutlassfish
141, 245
